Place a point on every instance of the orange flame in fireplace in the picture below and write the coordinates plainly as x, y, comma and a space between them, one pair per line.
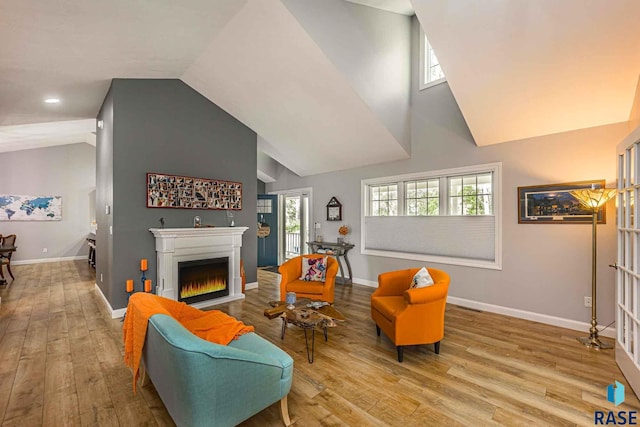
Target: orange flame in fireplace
195, 288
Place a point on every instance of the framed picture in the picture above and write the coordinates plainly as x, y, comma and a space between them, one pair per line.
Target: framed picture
30, 208
334, 210
185, 192
554, 204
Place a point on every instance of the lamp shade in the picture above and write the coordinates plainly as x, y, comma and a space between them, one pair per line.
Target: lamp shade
593, 198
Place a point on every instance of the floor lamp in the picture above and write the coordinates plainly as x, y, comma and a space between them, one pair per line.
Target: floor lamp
593, 199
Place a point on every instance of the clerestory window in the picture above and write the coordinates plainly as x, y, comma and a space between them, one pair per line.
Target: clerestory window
431, 72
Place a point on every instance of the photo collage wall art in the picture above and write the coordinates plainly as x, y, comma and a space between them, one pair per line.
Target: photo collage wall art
185, 192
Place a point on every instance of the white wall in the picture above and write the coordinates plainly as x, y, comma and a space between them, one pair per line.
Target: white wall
546, 267
371, 48
66, 170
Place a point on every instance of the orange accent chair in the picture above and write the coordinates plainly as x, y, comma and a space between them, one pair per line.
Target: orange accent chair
290, 282
410, 316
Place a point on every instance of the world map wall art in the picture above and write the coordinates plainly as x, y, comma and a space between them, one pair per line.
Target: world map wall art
30, 208
185, 192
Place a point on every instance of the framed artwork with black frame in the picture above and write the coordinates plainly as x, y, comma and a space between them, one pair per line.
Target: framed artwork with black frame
334, 210
554, 204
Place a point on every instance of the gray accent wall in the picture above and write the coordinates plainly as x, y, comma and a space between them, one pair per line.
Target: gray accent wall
164, 126
546, 267
64, 170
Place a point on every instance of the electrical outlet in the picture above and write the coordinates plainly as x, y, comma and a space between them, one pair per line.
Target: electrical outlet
44, 250
587, 301
100, 277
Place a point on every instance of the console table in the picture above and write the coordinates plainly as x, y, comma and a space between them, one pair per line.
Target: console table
337, 250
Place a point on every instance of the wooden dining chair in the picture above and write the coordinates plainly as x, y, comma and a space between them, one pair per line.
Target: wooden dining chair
5, 257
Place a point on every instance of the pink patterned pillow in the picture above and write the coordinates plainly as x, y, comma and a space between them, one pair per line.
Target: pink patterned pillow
314, 269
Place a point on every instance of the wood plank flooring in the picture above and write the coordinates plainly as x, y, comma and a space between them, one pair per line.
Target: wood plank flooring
61, 365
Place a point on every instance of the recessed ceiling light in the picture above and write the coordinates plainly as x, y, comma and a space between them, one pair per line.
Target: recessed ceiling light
52, 101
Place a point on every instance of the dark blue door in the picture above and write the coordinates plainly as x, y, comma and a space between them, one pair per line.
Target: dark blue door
267, 230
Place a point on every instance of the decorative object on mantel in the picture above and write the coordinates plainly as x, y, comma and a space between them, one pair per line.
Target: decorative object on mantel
161, 222
334, 210
554, 204
30, 208
230, 221
594, 199
185, 192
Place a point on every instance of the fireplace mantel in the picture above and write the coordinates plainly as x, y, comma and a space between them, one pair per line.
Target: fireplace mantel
174, 245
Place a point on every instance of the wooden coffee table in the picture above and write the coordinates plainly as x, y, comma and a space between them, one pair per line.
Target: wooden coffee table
306, 318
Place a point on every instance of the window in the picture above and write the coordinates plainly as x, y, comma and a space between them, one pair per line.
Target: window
431, 72
384, 200
422, 197
470, 195
448, 216
466, 195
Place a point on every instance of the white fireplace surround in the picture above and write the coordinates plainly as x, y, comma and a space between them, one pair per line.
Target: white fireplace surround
174, 245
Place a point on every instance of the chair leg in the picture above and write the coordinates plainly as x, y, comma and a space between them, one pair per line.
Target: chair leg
436, 347
1, 273
284, 411
9, 270
378, 330
400, 353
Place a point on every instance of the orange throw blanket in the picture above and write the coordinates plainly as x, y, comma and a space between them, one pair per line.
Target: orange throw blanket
214, 326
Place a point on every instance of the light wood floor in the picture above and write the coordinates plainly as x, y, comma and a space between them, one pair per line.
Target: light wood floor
61, 364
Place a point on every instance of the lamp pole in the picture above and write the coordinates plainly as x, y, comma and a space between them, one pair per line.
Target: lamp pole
594, 199
593, 341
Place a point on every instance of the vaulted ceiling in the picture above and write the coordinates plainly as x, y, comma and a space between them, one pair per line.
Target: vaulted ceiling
325, 75
520, 69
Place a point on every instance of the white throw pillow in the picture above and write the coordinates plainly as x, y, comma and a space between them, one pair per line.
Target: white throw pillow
422, 279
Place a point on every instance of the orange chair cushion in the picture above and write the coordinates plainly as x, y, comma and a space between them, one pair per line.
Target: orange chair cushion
304, 287
389, 307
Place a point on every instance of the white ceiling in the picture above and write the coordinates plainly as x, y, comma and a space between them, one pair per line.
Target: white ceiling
265, 70
520, 69
517, 69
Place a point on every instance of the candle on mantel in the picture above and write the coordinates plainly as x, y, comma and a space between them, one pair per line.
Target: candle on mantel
129, 285
143, 264
147, 285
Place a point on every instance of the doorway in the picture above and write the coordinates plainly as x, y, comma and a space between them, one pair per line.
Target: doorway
627, 349
295, 208
267, 230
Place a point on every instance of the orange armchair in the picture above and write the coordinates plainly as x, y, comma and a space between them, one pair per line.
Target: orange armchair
290, 282
410, 316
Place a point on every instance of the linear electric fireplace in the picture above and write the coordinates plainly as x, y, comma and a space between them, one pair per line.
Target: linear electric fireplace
203, 279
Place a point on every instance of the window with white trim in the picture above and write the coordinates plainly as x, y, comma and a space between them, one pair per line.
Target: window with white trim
422, 197
448, 216
470, 194
384, 199
431, 72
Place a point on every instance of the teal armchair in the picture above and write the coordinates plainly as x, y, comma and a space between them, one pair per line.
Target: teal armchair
206, 384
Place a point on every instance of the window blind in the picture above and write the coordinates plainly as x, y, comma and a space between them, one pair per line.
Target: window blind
471, 237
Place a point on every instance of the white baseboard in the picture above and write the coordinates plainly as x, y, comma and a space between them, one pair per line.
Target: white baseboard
43, 260
529, 315
115, 314
251, 285
365, 282
513, 312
